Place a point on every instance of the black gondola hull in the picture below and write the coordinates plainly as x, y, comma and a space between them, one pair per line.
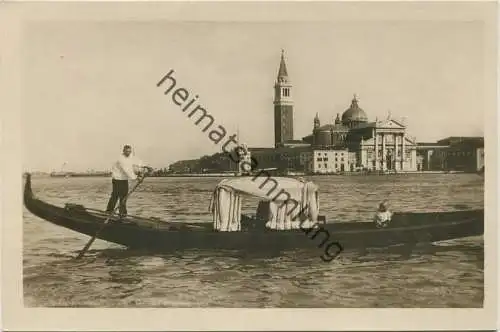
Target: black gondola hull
152, 234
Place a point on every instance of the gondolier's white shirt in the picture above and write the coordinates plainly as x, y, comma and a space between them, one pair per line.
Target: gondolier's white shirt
125, 168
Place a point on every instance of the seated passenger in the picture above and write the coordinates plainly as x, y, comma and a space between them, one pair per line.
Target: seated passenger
383, 216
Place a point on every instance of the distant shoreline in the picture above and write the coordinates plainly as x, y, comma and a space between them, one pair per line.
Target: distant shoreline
219, 175
68, 175
79, 175
317, 174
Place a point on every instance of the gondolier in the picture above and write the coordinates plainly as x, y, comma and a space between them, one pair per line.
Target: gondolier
126, 168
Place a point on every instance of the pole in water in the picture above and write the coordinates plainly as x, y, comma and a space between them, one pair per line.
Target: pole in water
92, 239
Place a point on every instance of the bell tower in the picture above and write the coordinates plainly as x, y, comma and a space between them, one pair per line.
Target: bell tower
283, 106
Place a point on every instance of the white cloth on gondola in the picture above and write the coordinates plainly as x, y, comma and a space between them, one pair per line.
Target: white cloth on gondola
226, 210
296, 213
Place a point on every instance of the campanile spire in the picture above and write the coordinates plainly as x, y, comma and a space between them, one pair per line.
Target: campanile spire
283, 105
282, 72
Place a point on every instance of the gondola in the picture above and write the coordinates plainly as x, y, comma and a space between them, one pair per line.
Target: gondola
251, 233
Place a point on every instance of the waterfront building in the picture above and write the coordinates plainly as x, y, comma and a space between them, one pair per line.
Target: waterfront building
431, 156
464, 153
327, 161
465, 157
454, 153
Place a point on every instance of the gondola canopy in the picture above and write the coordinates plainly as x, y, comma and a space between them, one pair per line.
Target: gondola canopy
288, 201
269, 188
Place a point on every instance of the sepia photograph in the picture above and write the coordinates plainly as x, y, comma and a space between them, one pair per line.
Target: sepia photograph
189, 159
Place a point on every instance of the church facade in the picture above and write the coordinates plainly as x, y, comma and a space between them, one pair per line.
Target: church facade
378, 145
350, 143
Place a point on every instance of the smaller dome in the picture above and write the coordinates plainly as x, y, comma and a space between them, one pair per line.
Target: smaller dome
354, 113
316, 121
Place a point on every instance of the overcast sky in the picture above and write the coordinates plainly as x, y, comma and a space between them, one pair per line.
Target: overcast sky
90, 87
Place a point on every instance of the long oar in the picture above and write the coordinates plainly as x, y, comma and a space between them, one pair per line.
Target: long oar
87, 246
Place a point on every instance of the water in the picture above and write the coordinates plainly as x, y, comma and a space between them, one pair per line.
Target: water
448, 274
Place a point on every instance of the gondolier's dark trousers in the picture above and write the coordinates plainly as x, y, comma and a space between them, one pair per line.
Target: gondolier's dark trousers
120, 191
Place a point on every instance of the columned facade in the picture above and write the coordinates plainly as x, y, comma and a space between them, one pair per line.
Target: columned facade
384, 146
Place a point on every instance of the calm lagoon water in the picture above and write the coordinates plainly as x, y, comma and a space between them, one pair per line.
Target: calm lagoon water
446, 274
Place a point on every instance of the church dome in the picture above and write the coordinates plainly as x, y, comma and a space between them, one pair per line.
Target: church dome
354, 113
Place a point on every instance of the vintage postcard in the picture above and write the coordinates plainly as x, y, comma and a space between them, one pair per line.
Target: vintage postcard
249, 165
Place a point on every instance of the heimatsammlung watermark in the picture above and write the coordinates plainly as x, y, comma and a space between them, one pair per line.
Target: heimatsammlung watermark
217, 133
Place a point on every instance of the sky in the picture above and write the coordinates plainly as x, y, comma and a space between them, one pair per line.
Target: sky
89, 87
